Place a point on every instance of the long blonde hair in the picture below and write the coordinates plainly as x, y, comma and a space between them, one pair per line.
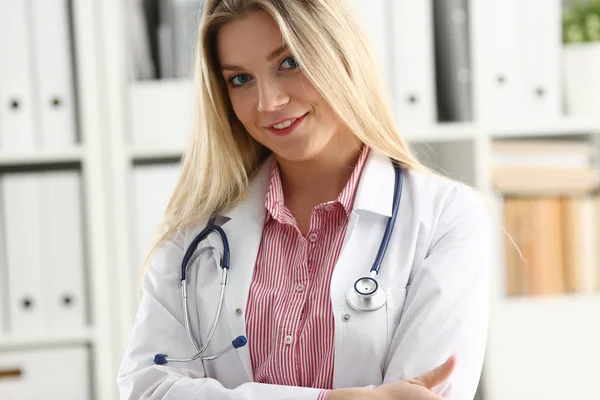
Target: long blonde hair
329, 42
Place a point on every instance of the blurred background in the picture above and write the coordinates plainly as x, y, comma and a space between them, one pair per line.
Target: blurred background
95, 101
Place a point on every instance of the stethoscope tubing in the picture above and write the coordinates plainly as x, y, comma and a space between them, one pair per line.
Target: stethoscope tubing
200, 352
210, 227
391, 222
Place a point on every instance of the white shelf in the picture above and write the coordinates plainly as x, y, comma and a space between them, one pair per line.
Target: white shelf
559, 300
9, 342
155, 152
160, 111
567, 126
442, 132
36, 157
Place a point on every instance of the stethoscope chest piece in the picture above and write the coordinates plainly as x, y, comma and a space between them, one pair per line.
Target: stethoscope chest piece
366, 295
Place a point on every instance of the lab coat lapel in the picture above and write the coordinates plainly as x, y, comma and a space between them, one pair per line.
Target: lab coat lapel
374, 195
243, 226
371, 209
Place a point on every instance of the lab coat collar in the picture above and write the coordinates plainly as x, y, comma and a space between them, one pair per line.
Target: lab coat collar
253, 204
376, 188
374, 193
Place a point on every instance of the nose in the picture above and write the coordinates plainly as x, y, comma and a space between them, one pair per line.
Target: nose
271, 96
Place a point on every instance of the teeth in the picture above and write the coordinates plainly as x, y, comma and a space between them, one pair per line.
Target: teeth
284, 124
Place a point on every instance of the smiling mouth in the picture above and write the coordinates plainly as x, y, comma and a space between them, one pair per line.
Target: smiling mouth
286, 127
285, 124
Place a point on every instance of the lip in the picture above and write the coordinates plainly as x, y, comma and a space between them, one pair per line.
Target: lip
289, 129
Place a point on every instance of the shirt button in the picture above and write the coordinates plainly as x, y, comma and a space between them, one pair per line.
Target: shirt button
312, 237
288, 339
299, 287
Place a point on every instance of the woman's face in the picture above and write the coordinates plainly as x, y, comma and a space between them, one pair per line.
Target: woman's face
270, 95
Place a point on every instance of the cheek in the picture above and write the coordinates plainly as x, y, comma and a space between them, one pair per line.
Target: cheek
242, 107
307, 93
302, 89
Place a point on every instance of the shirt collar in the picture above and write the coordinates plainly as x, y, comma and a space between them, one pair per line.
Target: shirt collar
274, 200
274, 197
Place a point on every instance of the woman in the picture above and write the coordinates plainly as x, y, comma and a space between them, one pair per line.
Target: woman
292, 151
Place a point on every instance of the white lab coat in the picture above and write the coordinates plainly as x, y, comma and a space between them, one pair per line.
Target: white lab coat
435, 273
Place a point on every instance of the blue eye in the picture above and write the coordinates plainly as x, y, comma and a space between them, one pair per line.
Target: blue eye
289, 63
239, 80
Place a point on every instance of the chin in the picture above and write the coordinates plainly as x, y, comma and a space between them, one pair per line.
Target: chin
298, 152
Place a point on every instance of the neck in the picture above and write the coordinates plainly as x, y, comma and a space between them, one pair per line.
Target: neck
321, 178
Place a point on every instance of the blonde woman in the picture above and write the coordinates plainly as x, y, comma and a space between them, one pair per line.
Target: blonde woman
296, 159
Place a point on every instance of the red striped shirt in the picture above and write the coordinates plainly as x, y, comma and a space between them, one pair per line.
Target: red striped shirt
289, 319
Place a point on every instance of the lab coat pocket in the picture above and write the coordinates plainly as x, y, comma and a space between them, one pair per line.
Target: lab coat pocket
395, 304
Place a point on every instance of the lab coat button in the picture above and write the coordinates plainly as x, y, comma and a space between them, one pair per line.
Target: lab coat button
346, 317
288, 339
238, 311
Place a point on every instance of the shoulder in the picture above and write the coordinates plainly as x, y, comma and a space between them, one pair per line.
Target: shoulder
444, 198
443, 207
166, 257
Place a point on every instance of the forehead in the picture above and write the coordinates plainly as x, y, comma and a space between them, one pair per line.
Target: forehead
255, 34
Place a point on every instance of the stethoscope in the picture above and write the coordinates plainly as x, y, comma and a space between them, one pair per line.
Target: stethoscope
365, 295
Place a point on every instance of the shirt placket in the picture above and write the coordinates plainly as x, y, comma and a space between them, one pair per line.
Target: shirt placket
295, 304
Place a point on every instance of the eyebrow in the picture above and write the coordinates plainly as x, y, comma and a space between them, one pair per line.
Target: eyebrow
272, 55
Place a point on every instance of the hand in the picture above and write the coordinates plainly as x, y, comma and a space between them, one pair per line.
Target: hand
418, 388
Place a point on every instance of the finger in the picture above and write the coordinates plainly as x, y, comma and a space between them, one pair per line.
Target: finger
437, 375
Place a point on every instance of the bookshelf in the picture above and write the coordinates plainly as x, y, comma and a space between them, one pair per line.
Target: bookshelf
534, 340
93, 342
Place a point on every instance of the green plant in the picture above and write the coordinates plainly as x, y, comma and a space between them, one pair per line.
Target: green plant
581, 22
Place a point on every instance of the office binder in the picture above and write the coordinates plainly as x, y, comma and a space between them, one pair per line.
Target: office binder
160, 113
62, 250
412, 60
186, 20
17, 123
504, 79
28, 309
141, 65
3, 270
54, 90
374, 14
452, 60
165, 39
44, 248
541, 28
587, 247
58, 373
152, 186
177, 34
